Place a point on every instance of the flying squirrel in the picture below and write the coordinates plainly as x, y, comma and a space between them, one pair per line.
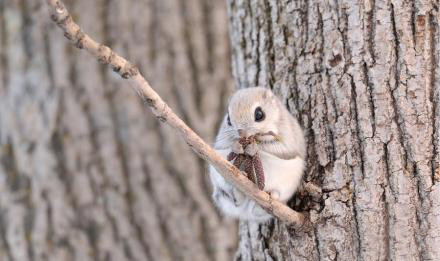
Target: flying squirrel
258, 113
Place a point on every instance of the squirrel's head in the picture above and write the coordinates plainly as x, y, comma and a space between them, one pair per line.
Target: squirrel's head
255, 111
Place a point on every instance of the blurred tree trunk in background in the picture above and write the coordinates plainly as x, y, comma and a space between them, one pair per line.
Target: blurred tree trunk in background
363, 77
86, 171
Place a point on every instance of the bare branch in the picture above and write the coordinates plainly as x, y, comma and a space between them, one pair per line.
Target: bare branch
163, 112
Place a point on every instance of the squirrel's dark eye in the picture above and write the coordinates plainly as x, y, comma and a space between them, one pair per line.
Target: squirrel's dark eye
259, 114
229, 121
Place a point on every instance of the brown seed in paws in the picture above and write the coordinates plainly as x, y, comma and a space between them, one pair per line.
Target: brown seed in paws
259, 171
231, 156
249, 169
239, 161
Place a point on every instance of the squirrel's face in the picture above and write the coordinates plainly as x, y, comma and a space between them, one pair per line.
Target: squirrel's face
254, 111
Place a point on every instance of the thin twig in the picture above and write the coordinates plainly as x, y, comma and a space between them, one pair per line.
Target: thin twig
163, 112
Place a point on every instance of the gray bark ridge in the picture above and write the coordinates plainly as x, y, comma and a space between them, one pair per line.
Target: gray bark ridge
363, 79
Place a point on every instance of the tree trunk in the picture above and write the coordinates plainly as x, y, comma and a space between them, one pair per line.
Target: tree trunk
363, 78
86, 172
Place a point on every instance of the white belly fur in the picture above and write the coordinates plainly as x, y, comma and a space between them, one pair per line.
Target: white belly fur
282, 176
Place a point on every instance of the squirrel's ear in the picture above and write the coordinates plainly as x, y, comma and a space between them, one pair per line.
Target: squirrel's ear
267, 94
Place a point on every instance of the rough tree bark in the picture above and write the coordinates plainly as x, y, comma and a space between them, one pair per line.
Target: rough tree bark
363, 77
86, 172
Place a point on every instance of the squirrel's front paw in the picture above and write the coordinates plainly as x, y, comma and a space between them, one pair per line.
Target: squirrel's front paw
237, 148
251, 149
